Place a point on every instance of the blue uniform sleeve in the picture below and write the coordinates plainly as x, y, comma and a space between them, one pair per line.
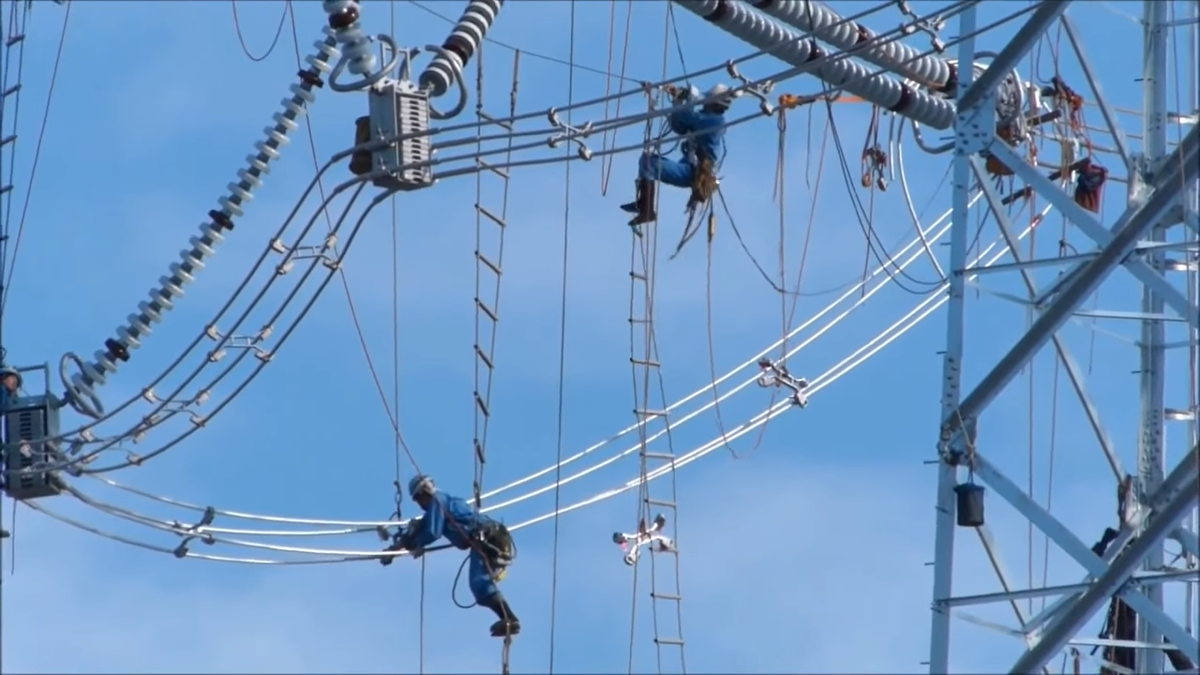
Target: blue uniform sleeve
684, 121
432, 523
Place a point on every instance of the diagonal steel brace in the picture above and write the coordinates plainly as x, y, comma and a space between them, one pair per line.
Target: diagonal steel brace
1091, 227
1130, 228
1175, 498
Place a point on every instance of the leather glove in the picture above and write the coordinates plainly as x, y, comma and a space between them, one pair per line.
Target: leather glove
387, 559
686, 93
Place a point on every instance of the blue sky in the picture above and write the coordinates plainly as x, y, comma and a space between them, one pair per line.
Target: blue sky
808, 553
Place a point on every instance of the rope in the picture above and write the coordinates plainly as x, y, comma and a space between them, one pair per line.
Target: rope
399, 438
16, 24
562, 349
864, 219
536, 55
836, 372
843, 367
606, 162
108, 443
37, 154
237, 27
788, 316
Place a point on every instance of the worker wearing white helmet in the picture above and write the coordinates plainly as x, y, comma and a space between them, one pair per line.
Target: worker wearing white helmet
491, 545
703, 149
10, 384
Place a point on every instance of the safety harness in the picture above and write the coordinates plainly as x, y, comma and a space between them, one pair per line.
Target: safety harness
496, 544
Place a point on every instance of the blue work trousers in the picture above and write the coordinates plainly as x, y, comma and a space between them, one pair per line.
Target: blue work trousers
481, 581
669, 171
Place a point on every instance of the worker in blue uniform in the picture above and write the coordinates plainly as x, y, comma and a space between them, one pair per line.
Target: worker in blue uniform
462, 525
702, 152
10, 384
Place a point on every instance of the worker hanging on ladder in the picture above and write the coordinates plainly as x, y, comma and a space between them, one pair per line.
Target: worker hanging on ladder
492, 548
702, 152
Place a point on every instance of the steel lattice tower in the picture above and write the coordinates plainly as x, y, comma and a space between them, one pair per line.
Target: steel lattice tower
1155, 241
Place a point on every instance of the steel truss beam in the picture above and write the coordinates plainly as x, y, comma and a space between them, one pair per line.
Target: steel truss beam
943, 565
1141, 578
1175, 498
1064, 356
1184, 165
1129, 242
1013, 52
1091, 227
1081, 552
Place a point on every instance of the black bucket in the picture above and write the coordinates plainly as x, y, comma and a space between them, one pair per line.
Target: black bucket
970, 504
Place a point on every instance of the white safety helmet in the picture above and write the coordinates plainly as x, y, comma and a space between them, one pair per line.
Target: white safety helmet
9, 370
420, 485
719, 96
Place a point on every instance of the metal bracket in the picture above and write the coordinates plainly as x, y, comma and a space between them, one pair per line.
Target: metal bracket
571, 134
653, 536
777, 375
759, 91
931, 27
192, 532
298, 252
239, 342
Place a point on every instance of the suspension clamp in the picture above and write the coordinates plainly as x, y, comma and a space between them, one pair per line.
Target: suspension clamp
192, 532
758, 90
571, 134
645, 536
777, 375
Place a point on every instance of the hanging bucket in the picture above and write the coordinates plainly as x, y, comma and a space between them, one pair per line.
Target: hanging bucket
969, 497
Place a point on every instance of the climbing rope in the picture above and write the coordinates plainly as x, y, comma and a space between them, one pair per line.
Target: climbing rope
787, 102
562, 354
237, 27
606, 162
37, 154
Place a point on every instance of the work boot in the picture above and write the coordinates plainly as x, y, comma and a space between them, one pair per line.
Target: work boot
506, 628
632, 207
645, 203
508, 624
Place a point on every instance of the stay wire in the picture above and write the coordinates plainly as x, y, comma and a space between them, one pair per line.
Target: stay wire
863, 220
37, 154
562, 349
237, 27
358, 329
551, 59
392, 419
362, 340
607, 160
16, 25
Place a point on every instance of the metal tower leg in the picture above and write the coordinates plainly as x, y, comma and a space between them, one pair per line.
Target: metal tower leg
665, 594
1159, 178
943, 561
1150, 459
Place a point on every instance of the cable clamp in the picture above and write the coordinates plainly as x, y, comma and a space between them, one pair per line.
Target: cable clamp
194, 532
571, 134
777, 375
645, 536
759, 90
